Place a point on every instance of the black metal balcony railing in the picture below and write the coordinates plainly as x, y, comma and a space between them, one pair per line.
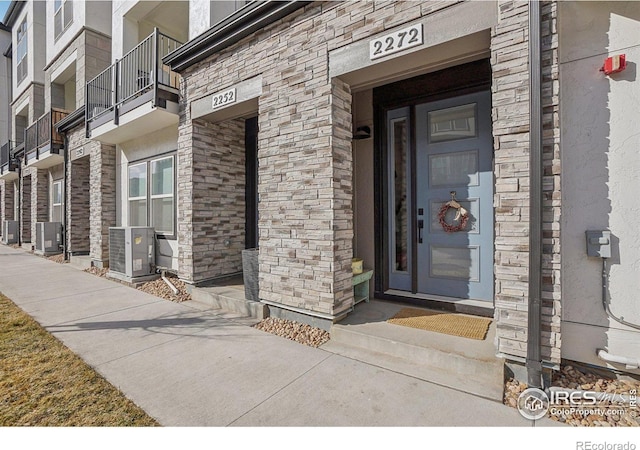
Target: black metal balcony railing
139, 71
7, 161
43, 134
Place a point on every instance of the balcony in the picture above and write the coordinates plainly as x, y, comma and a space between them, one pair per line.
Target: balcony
42, 143
136, 95
8, 163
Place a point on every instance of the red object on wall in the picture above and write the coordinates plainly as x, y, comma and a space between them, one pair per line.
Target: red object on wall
614, 64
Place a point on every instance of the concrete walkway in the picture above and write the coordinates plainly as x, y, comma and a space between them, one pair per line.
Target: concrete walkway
187, 366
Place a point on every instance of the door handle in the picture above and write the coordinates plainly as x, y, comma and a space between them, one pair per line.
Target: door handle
420, 227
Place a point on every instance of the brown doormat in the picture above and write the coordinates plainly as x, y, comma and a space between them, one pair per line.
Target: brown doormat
447, 323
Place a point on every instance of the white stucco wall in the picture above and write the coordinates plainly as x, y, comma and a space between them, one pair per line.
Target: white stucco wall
199, 13
141, 148
134, 20
36, 53
600, 182
5, 93
95, 15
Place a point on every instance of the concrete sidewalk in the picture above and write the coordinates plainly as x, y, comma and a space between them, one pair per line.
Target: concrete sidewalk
187, 366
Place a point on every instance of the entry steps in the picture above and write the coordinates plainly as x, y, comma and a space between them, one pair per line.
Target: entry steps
463, 364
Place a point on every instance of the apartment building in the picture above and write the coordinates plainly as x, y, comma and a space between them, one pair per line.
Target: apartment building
6, 186
479, 157
373, 117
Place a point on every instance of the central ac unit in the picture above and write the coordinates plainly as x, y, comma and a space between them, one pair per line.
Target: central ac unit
132, 251
10, 232
48, 238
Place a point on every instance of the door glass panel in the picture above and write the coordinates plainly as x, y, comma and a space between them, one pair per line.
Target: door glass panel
473, 209
400, 211
454, 169
455, 262
452, 123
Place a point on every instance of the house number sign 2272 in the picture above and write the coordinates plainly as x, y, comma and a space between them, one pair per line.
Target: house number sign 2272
223, 98
396, 42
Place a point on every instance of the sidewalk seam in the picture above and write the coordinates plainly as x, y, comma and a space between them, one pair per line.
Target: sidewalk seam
280, 390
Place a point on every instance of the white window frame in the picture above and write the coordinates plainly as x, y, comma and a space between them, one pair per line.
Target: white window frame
22, 42
149, 196
16, 201
53, 200
138, 198
62, 17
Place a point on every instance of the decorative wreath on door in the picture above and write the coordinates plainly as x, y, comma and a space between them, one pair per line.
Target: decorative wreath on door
462, 216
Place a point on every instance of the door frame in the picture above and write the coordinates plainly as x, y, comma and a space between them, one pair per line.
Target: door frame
464, 79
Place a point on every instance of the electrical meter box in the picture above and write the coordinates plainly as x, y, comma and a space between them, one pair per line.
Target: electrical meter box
599, 243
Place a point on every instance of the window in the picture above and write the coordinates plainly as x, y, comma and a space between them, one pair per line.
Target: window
152, 195
21, 52
56, 201
63, 15
16, 201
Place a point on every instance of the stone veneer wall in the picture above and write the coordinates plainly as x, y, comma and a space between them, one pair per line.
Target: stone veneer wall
25, 206
305, 173
211, 177
509, 58
6, 201
551, 295
78, 206
39, 199
102, 180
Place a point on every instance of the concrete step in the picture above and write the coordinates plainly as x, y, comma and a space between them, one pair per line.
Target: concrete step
229, 298
463, 364
80, 262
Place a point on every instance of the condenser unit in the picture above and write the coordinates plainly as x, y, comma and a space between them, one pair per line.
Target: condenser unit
48, 238
131, 252
10, 232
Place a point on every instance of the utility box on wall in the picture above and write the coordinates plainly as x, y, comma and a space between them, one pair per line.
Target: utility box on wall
599, 243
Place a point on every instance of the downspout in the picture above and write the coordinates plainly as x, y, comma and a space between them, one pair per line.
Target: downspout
19, 200
534, 357
65, 219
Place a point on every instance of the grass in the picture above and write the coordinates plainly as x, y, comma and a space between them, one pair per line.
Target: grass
42, 383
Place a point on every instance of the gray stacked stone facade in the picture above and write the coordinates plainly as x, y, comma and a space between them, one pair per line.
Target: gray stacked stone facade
102, 181
6, 201
78, 206
551, 295
25, 207
211, 181
305, 173
509, 57
39, 199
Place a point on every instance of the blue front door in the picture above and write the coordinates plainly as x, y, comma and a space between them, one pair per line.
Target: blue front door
438, 152
454, 160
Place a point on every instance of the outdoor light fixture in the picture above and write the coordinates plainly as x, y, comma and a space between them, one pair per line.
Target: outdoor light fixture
614, 64
363, 132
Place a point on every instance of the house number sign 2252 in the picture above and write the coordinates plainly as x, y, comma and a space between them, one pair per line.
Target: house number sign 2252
223, 98
396, 42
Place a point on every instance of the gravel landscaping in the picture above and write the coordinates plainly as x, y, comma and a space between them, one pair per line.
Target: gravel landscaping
57, 258
572, 378
295, 331
160, 289
97, 271
156, 287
